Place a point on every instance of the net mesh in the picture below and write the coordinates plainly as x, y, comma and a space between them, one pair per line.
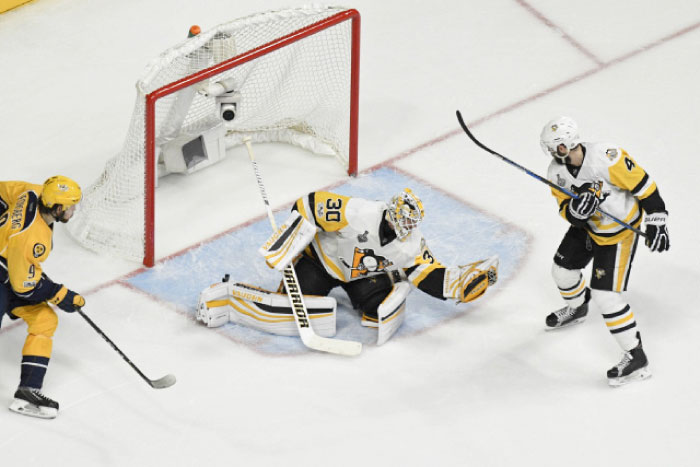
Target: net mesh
298, 94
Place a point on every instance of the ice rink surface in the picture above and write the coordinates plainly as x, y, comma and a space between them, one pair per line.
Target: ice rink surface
487, 387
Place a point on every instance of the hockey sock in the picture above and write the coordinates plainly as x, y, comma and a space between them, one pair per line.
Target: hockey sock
33, 371
622, 326
571, 285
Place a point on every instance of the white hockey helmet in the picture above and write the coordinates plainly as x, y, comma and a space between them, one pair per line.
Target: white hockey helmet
561, 130
405, 212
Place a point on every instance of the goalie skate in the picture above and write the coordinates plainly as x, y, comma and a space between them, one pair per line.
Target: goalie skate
31, 402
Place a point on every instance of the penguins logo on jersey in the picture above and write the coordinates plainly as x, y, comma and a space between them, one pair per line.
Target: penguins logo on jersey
364, 261
362, 238
599, 273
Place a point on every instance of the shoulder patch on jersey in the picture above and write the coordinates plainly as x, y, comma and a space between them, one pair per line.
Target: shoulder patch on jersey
611, 153
39, 250
561, 181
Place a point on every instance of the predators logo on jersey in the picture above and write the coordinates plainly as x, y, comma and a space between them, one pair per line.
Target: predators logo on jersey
39, 250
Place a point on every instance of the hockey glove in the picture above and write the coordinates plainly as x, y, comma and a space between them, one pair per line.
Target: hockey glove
657, 232
583, 207
67, 300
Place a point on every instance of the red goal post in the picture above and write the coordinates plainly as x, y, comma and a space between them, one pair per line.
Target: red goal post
316, 63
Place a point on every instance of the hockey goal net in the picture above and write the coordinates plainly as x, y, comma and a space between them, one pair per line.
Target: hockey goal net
295, 77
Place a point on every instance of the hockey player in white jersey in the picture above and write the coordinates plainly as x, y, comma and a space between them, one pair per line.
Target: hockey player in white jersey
374, 251
602, 175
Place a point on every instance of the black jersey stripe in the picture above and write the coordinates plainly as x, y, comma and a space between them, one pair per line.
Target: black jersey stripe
640, 185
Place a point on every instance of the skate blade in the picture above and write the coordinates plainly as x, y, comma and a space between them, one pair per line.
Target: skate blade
25, 408
570, 323
642, 373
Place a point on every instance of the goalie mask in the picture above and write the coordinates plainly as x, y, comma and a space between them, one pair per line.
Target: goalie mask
405, 213
561, 130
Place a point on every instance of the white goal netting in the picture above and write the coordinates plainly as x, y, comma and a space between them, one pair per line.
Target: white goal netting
295, 92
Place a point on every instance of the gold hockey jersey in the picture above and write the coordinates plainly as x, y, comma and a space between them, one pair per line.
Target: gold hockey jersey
349, 244
25, 241
624, 187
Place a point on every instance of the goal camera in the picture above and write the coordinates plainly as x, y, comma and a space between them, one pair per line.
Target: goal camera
228, 105
226, 96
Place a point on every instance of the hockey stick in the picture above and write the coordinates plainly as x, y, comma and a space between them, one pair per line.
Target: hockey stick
291, 283
164, 382
542, 179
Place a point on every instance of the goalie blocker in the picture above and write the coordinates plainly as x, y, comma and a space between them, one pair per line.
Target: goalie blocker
287, 241
263, 310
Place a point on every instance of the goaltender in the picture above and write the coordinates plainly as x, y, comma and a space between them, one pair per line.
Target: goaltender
373, 250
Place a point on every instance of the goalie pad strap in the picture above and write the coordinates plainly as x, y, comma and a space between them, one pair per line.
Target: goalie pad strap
287, 241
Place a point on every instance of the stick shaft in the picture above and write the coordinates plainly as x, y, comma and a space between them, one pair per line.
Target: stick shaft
118, 350
296, 299
538, 177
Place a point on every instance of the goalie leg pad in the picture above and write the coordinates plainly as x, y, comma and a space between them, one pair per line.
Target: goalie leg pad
263, 310
213, 308
392, 312
469, 282
271, 312
288, 241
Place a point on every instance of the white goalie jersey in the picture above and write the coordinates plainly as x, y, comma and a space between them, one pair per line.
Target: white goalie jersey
624, 186
349, 245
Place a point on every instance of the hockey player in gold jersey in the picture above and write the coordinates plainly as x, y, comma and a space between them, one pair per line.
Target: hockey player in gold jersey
27, 216
602, 175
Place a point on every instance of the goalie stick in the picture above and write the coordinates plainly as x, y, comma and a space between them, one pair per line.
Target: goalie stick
160, 383
541, 179
291, 283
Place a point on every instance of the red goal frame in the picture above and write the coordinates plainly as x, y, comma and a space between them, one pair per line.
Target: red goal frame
151, 99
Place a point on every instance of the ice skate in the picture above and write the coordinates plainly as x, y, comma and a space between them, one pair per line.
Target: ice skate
634, 366
31, 402
566, 316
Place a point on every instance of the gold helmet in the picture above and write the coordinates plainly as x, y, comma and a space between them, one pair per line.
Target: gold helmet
60, 190
405, 213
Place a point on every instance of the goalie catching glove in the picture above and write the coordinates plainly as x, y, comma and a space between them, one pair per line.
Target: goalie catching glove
288, 241
467, 283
